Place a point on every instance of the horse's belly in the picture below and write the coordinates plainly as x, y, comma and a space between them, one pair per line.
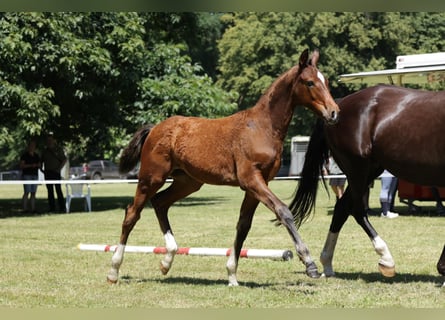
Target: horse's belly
423, 174
209, 169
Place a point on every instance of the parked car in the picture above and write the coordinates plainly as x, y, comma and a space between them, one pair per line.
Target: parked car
134, 173
78, 172
10, 175
101, 169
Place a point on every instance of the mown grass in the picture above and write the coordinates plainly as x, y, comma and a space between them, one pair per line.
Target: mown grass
41, 266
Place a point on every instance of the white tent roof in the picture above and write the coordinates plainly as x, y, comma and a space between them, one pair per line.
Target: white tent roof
419, 75
419, 69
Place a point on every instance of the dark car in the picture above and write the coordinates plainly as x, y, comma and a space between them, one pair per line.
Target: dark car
102, 169
134, 173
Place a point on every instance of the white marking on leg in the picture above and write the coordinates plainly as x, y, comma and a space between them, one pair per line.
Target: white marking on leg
116, 261
382, 250
231, 266
172, 247
327, 254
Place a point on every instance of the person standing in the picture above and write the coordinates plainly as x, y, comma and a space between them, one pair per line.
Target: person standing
30, 164
387, 194
53, 160
337, 184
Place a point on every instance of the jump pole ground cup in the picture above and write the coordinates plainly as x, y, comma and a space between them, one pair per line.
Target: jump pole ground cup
273, 254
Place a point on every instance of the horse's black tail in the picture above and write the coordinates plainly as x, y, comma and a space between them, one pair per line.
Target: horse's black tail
132, 153
306, 193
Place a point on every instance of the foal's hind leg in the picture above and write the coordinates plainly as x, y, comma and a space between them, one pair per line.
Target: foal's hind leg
132, 214
181, 187
247, 211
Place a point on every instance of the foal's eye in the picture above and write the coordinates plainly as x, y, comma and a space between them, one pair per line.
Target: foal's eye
310, 84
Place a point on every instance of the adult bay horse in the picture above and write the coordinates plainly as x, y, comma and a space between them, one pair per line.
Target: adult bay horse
243, 150
380, 127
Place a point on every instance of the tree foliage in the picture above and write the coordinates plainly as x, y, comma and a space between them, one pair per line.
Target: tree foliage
257, 47
93, 78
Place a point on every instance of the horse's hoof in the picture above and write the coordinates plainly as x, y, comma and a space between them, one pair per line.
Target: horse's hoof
328, 275
163, 269
386, 271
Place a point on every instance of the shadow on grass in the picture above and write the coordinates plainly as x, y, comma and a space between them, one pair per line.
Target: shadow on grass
425, 211
192, 281
398, 278
13, 207
373, 277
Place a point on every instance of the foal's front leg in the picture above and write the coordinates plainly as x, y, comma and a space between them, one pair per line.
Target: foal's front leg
286, 218
261, 191
131, 217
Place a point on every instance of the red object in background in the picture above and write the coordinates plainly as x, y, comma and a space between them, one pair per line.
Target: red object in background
410, 191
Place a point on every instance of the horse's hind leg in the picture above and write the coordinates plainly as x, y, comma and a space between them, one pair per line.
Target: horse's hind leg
181, 187
247, 211
386, 262
144, 191
338, 219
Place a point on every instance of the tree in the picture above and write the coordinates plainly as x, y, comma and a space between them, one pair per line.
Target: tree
93, 78
257, 47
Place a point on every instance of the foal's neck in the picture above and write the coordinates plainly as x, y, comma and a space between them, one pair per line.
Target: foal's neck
278, 102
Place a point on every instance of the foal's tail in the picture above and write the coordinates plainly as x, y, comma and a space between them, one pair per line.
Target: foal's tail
132, 153
306, 194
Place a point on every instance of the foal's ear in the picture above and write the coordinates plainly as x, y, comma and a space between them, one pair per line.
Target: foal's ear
314, 59
304, 59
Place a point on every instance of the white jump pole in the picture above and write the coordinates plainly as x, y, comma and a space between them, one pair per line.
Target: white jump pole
284, 255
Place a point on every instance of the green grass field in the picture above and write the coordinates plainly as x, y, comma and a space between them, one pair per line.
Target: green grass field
41, 266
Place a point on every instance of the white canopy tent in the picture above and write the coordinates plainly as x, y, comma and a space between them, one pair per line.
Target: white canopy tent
418, 69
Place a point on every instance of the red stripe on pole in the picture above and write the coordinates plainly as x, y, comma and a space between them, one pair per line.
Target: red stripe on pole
243, 253
183, 251
160, 250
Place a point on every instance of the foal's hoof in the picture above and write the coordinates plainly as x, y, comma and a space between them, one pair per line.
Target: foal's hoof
312, 271
386, 271
313, 274
163, 269
111, 281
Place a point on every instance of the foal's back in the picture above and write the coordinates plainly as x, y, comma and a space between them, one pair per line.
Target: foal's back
212, 150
